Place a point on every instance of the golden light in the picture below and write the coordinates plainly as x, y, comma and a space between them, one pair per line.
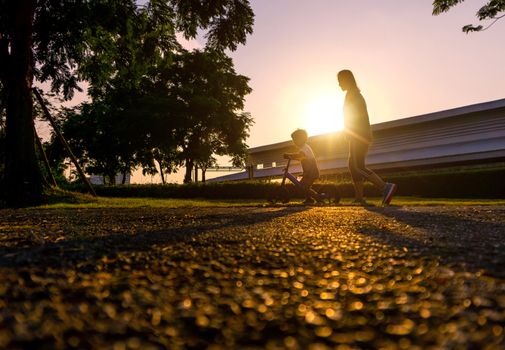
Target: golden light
323, 114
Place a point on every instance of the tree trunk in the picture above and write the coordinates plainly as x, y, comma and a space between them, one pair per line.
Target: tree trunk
203, 174
124, 172
189, 170
161, 172
112, 179
23, 178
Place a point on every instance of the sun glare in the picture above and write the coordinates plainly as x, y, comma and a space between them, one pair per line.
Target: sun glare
323, 114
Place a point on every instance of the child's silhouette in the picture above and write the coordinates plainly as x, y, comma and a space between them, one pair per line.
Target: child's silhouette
309, 165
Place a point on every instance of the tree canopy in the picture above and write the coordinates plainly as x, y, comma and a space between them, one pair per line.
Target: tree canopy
492, 10
210, 98
184, 114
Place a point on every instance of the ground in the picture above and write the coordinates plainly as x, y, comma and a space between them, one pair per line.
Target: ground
253, 278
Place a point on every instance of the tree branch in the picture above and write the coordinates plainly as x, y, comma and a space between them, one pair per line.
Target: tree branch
471, 28
495, 20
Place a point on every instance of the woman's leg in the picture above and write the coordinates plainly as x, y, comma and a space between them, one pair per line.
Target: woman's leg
360, 152
356, 175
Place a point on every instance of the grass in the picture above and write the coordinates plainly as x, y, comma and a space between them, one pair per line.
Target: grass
110, 202
70, 200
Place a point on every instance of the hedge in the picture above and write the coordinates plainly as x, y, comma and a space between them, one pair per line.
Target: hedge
482, 183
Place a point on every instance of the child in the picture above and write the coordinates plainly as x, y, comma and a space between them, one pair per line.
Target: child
309, 164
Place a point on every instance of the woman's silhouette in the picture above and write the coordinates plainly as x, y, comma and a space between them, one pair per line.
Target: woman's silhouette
359, 134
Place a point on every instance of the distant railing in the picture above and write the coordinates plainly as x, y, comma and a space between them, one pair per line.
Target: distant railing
224, 168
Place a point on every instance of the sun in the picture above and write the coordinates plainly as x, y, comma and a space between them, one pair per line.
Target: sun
323, 114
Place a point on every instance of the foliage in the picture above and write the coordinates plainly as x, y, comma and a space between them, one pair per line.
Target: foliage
479, 183
97, 40
210, 97
184, 111
482, 183
107, 43
492, 10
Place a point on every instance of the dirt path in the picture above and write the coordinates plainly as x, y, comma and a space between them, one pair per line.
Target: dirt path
253, 278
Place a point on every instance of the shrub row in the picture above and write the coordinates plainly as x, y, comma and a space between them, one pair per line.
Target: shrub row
484, 183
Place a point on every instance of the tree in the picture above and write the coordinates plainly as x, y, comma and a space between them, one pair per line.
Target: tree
493, 10
67, 41
94, 141
128, 124
210, 97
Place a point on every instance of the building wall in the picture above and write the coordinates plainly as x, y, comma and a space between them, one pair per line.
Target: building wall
99, 179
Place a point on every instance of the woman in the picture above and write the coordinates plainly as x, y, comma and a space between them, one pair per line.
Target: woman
359, 135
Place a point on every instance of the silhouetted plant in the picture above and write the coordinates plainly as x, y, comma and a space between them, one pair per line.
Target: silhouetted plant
492, 11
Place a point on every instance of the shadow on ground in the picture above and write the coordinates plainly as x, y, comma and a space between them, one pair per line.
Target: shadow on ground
82, 245
453, 236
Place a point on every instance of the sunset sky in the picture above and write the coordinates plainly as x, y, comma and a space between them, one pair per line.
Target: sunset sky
406, 61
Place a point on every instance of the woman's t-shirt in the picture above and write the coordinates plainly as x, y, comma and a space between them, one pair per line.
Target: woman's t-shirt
356, 121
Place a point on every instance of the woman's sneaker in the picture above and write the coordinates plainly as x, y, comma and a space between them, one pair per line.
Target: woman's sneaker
389, 191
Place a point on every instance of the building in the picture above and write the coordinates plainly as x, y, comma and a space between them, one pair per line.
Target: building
100, 180
469, 135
